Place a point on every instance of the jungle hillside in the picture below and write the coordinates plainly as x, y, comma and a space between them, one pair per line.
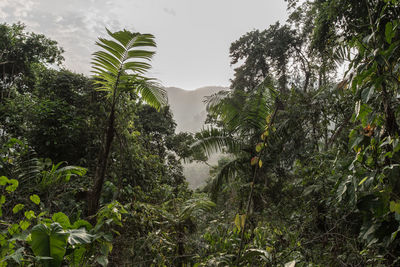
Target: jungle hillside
91, 165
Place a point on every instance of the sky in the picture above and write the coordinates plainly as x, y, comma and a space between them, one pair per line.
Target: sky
193, 36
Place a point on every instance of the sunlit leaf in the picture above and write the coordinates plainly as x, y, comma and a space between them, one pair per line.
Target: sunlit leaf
35, 199
18, 207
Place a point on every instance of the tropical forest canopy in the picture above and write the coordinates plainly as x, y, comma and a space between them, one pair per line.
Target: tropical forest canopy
91, 167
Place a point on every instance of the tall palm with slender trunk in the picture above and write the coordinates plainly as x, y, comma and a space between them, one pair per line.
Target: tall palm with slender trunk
119, 68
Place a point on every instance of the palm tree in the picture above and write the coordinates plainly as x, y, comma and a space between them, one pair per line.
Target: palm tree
242, 116
180, 218
119, 69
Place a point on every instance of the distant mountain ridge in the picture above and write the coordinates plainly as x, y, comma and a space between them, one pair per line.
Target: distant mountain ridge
190, 113
188, 107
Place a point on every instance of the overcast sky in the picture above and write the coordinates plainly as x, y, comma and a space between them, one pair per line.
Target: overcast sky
193, 36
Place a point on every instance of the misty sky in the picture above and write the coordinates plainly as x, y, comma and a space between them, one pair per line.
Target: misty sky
193, 37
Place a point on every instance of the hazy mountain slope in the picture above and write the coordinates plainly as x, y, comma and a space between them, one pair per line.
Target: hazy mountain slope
188, 107
189, 114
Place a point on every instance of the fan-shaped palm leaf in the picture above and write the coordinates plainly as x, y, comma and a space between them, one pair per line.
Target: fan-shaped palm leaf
243, 115
120, 66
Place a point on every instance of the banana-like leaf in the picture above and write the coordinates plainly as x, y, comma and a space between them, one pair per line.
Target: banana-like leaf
49, 242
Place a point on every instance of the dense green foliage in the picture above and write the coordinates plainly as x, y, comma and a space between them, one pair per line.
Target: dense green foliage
91, 175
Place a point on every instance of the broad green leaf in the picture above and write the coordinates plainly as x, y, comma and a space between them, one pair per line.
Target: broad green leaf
3, 180
260, 163
82, 223
24, 225
35, 199
62, 219
40, 243
30, 214
49, 242
18, 207
13, 186
79, 254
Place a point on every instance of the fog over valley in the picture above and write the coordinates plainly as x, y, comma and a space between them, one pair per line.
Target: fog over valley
189, 111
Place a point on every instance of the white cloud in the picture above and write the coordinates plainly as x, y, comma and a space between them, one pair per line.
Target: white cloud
16, 8
193, 46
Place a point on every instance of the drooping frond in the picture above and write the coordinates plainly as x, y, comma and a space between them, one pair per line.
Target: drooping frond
122, 62
259, 104
152, 92
227, 171
215, 140
214, 100
193, 206
58, 174
226, 108
28, 168
243, 112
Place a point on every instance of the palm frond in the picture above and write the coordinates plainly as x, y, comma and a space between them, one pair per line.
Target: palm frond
227, 171
152, 92
194, 206
214, 100
58, 174
121, 63
215, 140
226, 107
27, 168
243, 113
259, 104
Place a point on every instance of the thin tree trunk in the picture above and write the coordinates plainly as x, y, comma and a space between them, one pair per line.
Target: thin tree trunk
181, 247
239, 254
94, 196
390, 118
